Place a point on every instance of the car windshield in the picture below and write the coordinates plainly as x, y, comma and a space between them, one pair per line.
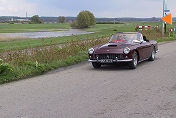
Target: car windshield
123, 38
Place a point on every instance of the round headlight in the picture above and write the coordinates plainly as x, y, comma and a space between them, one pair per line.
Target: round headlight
91, 51
126, 50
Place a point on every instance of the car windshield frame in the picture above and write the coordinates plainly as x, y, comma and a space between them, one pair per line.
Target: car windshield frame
124, 37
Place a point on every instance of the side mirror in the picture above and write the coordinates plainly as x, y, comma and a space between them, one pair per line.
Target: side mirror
145, 38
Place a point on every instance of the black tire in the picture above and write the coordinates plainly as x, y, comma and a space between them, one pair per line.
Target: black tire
133, 64
96, 65
152, 57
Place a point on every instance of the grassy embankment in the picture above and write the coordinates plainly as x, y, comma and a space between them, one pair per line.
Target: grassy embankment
20, 65
101, 30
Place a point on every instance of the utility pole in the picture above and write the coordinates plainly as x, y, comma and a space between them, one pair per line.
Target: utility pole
26, 16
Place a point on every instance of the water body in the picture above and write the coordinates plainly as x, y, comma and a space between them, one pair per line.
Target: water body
50, 33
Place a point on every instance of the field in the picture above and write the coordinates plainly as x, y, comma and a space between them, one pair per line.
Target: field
10, 28
35, 26
101, 30
21, 64
23, 31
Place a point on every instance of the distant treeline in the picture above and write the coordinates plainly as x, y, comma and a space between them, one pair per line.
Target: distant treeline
71, 19
109, 22
14, 22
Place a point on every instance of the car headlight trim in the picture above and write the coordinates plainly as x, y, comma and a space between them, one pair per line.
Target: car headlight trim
127, 50
91, 51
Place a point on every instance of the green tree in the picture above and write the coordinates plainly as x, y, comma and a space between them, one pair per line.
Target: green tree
36, 19
83, 19
62, 19
92, 18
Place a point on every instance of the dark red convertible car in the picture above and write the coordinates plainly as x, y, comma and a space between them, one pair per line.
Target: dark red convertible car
128, 47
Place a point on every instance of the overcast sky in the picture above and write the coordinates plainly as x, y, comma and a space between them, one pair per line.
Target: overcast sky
101, 8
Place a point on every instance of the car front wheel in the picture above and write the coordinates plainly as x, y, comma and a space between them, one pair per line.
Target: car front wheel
96, 65
134, 62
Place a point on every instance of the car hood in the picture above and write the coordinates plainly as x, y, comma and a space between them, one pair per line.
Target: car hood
112, 48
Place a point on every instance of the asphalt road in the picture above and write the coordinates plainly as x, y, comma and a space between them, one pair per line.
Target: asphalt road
110, 92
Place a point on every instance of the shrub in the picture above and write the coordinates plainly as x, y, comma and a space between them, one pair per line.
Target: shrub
6, 73
11, 22
74, 24
39, 67
5, 68
36, 19
61, 19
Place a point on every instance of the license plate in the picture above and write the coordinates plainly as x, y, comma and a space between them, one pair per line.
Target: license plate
106, 61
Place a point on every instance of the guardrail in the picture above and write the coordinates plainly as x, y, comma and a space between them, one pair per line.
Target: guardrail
172, 30
143, 28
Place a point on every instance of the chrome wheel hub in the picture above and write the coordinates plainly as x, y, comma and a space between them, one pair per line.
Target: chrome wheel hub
135, 60
153, 54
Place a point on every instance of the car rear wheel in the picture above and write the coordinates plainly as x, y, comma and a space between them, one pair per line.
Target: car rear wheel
96, 65
134, 62
152, 57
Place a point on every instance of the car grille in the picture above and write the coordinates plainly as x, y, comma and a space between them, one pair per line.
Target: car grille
109, 56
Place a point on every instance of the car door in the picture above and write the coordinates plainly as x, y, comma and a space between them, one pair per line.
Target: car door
144, 49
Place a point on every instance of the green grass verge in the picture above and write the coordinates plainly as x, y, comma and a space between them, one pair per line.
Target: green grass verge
21, 65
30, 69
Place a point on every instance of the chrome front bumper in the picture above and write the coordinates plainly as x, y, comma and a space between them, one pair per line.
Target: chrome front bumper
115, 61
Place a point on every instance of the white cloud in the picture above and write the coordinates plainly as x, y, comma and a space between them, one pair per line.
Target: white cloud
16, 8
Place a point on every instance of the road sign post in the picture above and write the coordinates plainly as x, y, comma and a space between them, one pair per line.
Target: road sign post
167, 17
165, 27
165, 13
163, 16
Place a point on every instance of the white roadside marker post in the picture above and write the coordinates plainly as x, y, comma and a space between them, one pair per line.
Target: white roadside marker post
174, 33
